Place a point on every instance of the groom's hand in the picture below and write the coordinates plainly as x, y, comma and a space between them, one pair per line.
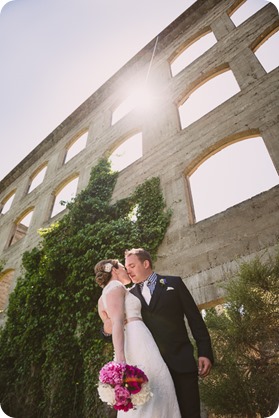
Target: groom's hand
107, 326
204, 366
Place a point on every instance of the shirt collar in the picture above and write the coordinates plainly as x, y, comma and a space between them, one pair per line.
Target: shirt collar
150, 279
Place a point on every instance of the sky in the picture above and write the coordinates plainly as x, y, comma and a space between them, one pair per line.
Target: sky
55, 53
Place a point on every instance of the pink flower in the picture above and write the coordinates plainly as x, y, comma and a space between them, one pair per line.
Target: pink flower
112, 373
123, 386
123, 398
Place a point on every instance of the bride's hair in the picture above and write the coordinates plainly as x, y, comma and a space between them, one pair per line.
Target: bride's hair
103, 271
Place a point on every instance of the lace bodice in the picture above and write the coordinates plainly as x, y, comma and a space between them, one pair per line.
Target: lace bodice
132, 303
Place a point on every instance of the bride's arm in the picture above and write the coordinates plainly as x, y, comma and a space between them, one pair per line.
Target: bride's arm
115, 310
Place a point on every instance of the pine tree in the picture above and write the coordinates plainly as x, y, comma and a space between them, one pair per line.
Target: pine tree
245, 379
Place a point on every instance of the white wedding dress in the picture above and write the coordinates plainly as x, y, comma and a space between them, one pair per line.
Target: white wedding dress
142, 351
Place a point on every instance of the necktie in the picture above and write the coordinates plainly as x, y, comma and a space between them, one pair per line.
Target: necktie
146, 292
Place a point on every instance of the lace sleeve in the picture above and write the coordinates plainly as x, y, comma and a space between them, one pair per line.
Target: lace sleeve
110, 287
113, 298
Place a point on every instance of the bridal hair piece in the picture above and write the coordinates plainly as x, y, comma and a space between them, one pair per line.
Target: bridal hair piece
103, 271
108, 267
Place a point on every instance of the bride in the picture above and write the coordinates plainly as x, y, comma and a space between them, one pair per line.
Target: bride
132, 341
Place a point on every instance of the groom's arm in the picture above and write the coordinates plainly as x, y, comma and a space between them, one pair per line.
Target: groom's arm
105, 335
197, 326
106, 330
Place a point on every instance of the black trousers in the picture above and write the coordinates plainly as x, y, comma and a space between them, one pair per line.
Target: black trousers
187, 392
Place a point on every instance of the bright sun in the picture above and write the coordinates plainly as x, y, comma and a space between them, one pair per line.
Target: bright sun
140, 99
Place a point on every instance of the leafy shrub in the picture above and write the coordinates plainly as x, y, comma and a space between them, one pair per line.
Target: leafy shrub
51, 350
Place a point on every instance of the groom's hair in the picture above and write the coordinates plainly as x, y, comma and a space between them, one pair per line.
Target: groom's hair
140, 253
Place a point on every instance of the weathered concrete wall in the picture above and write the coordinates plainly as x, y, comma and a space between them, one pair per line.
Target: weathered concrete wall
203, 253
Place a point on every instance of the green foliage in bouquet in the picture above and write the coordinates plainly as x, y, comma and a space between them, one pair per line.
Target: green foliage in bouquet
51, 346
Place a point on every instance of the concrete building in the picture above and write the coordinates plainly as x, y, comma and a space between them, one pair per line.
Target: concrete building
206, 252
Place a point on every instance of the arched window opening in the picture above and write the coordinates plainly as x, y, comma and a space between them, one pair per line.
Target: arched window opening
7, 202
6, 279
22, 226
232, 175
245, 10
127, 153
123, 109
76, 147
65, 193
207, 97
192, 52
37, 178
267, 52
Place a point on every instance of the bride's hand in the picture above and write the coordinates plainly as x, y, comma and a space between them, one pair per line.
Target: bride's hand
121, 362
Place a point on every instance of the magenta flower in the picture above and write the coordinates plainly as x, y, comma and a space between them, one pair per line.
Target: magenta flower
134, 378
123, 398
123, 386
112, 373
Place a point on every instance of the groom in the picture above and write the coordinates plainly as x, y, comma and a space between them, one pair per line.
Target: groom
163, 311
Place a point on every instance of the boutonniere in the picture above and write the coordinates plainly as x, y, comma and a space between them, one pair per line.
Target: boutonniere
163, 282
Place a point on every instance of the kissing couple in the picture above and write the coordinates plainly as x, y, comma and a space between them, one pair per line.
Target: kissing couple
147, 326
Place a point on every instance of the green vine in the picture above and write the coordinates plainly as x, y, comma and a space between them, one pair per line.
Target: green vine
51, 350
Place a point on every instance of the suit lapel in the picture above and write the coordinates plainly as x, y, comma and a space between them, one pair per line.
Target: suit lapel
137, 292
155, 296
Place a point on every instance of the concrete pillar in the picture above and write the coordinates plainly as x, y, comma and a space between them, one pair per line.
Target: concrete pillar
271, 138
21, 190
161, 120
222, 26
246, 68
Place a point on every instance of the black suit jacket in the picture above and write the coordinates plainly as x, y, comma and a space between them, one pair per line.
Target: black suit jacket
165, 318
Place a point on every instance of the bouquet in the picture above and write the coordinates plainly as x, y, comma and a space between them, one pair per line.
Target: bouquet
122, 386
